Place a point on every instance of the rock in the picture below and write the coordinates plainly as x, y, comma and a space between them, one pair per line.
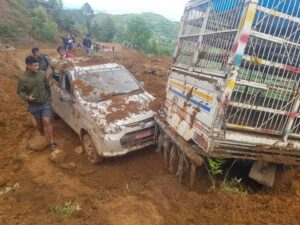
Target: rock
2, 183
177, 196
149, 71
58, 156
38, 143
79, 150
70, 165
88, 172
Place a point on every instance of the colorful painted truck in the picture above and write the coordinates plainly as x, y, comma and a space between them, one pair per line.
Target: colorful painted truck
233, 91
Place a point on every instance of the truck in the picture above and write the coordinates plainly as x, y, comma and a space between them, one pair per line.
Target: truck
233, 90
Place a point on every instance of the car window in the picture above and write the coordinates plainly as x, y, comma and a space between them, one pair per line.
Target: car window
64, 83
55, 75
97, 86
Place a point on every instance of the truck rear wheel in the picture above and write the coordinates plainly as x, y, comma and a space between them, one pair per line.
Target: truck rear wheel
90, 149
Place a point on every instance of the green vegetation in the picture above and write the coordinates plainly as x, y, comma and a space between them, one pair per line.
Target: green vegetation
158, 35
151, 33
13, 191
214, 169
138, 33
66, 209
42, 28
104, 30
18, 159
88, 13
8, 31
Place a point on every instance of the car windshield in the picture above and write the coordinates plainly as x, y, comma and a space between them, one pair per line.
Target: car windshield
95, 86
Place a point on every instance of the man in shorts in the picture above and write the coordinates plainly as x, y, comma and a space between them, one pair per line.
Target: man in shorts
34, 88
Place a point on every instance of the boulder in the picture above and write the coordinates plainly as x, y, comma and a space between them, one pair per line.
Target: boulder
79, 150
58, 156
38, 143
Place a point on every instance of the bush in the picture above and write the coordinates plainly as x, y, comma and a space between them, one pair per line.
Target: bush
42, 28
8, 31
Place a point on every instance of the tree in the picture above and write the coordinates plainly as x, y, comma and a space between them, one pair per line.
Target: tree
104, 30
41, 27
138, 33
57, 14
67, 22
56, 9
88, 13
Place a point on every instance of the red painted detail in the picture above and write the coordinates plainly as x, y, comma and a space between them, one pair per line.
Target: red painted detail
143, 134
200, 140
292, 69
234, 47
244, 38
292, 115
199, 126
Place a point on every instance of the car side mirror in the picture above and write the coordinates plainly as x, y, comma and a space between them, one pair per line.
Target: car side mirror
66, 98
142, 83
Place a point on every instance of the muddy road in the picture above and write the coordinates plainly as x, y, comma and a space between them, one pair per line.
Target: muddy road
131, 190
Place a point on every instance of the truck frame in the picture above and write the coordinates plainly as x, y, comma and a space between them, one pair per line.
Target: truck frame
233, 90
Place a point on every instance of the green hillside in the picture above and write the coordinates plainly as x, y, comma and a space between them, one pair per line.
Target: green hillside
162, 29
46, 20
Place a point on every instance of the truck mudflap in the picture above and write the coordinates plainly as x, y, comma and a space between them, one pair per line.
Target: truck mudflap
178, 154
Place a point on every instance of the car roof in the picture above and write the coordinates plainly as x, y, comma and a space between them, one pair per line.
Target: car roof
98, 68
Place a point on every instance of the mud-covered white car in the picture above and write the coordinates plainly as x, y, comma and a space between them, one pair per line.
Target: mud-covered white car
106, 106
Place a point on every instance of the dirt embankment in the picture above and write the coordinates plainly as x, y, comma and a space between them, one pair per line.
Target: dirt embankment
131, 190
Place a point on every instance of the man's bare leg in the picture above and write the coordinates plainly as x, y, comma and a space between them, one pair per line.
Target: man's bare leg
48, 129
40, 127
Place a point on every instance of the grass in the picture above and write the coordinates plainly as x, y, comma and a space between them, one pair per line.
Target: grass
66, 209
214, 169
18, 159
233, 186
13, 191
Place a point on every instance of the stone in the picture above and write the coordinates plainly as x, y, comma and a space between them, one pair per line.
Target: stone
2, 183
79, 150
58, 156
69, 166
38, 143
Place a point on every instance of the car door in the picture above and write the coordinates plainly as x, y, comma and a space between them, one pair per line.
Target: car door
65, 109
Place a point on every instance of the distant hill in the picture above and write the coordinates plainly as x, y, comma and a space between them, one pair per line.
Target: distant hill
29, 21
162, 28
164, 31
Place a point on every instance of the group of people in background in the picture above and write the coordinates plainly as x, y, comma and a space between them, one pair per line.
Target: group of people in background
69, 42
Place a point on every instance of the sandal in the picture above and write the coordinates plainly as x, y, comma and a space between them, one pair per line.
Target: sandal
52, 146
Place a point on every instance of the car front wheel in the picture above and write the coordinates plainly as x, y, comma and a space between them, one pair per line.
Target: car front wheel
90, 149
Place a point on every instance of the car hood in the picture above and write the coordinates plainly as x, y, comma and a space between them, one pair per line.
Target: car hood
121, 110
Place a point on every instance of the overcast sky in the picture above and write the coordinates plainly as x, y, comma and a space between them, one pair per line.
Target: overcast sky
172, 9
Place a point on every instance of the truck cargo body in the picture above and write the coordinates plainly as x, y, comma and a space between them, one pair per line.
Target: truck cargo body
234, 85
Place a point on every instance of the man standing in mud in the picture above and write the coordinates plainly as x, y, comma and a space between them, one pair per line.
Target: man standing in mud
34, 88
